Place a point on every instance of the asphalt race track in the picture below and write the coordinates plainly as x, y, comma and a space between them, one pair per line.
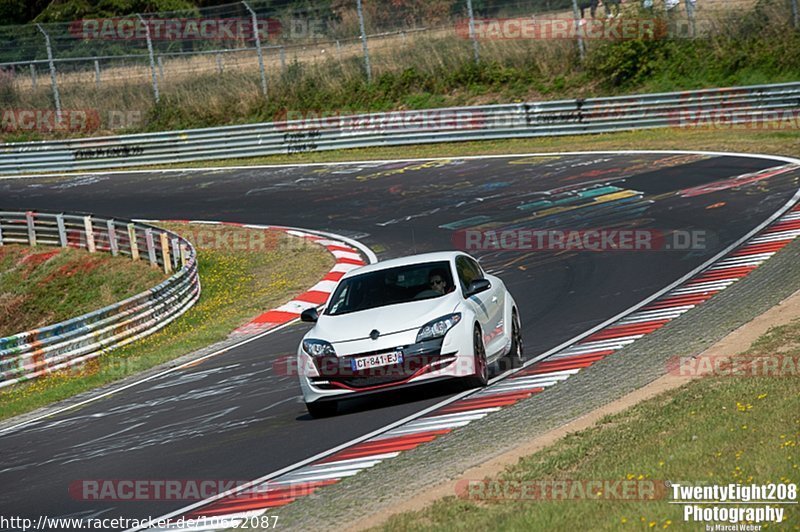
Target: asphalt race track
232, 418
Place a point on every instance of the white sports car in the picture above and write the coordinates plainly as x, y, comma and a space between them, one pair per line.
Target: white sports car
404, 322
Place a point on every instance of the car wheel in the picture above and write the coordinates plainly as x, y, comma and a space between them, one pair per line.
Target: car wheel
515, 357
322, 408
481, 376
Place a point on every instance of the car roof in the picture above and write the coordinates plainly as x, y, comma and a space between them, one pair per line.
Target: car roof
436, 256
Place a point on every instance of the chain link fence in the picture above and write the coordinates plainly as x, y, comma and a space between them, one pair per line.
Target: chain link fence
108, 75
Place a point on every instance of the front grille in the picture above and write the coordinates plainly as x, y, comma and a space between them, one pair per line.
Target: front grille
339, 370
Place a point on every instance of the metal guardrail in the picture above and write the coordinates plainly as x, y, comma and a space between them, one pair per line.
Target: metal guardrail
737, 105
34, 353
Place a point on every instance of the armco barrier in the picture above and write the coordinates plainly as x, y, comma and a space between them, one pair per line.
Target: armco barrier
734, 106
34, 353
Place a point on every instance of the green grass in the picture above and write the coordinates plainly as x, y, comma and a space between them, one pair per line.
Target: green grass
238, 283
44, 285
716, 430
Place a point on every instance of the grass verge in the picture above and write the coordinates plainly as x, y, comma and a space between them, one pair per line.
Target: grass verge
243, 272
717, 430
42, 285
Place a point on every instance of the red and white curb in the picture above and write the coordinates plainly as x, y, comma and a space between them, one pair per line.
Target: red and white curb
260, 497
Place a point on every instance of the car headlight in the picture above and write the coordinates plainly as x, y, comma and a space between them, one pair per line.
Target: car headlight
318, 348
438, 327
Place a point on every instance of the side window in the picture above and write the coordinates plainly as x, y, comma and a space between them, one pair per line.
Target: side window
468, 271
476, 268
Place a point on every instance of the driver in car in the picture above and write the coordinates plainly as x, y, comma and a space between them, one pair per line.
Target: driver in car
438, 281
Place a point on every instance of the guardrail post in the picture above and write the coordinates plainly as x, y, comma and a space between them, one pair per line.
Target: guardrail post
31, 228
576, 16
133, 241
87, 225
175, 253
1, 234
151, 248
165, 252
62, 231
150, 52
53, 81
258, 49
367, 66
472, 36
112, 238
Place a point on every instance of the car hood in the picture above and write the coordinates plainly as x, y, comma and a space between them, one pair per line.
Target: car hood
386, 320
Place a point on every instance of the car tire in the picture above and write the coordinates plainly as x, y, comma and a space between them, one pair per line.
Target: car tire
516, 356
320, 409
481, 376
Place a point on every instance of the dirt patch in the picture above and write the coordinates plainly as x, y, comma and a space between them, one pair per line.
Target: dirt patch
736, 342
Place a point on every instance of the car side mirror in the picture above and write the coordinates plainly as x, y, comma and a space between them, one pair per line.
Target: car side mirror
310, 315
477, 286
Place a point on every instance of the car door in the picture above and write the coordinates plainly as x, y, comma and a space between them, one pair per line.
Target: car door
495, 299
485, 304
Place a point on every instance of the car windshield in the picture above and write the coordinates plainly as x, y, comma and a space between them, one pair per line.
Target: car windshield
391, 286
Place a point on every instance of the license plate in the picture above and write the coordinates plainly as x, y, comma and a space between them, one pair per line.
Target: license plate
376, 361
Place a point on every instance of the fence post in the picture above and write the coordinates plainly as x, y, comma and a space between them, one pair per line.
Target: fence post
364, 41
53, 81
690, 15
182, 248
97, 73
165, 252
1, 234
87, 225
283, 60
258, 49
219, 63
175, 253
150, 52
112, 238
578, 30
62, 231
472, 36
133, 242
161, 67
31, 228
151, 248
33, 75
